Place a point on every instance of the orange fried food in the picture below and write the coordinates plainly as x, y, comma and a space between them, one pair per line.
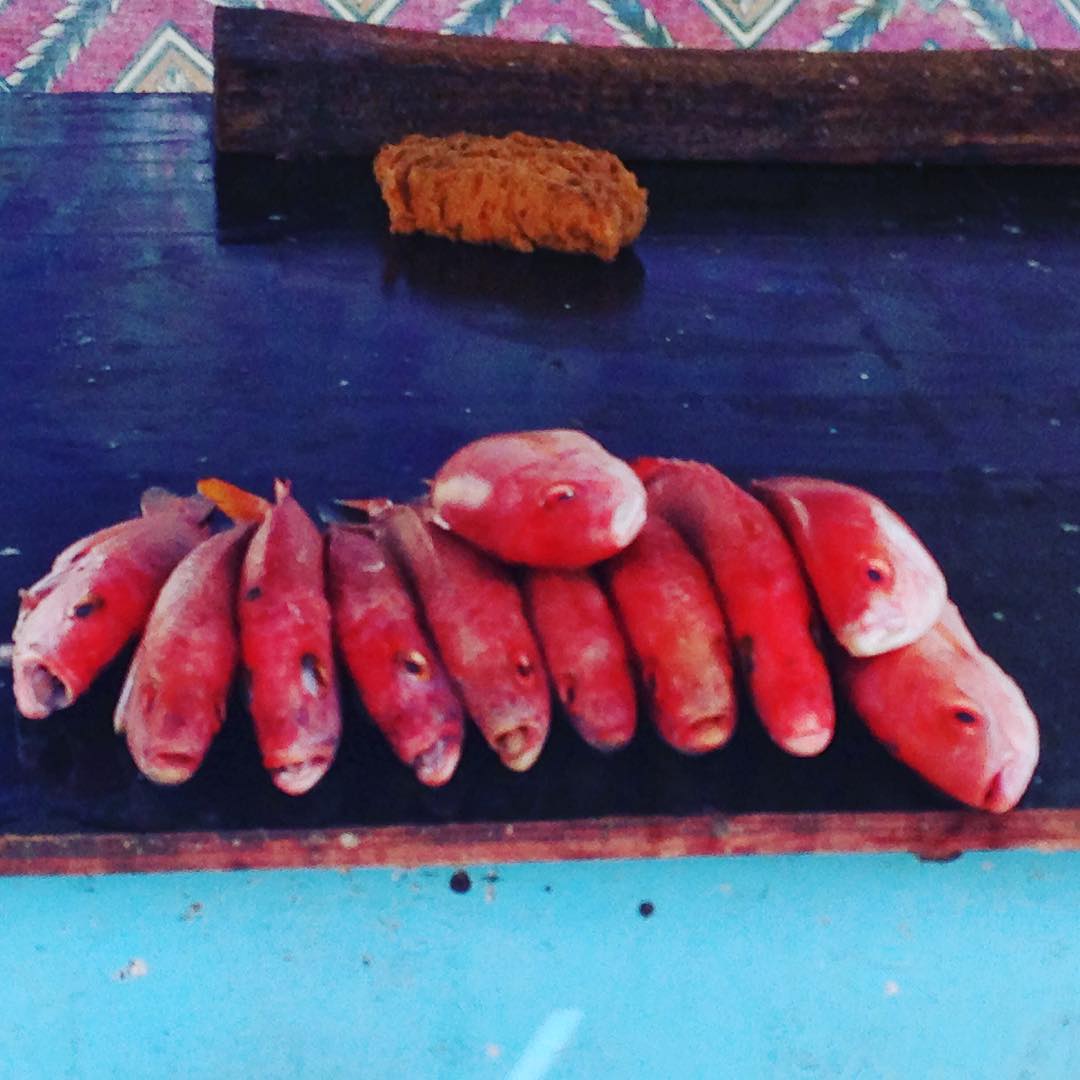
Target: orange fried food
520, 191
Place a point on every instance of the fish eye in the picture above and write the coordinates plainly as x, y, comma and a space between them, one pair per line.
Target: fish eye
965, 717
312, 674
878, 570
415, 663
87, 606
558, 493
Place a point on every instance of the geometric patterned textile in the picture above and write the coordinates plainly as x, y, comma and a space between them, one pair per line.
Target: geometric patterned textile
164, 45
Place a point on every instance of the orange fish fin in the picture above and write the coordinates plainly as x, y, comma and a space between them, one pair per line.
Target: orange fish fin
240, 505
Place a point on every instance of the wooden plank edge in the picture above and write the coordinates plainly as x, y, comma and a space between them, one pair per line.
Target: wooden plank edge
297, 85
938, 836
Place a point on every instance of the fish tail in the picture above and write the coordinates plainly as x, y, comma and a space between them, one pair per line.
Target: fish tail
238, 504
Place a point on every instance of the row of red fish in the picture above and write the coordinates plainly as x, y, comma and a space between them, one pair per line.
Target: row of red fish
538, 561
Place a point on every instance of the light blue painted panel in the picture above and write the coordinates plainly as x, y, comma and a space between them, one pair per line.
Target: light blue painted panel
813, 966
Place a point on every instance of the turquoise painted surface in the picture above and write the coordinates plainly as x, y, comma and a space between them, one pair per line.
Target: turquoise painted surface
814, 966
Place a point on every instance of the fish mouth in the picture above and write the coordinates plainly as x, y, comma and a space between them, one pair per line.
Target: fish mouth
519, 747
39, 691
808, 743
607, 741
1007, 786
299, 777
437, 763
880, 629
706, 733
629, 517
171, 766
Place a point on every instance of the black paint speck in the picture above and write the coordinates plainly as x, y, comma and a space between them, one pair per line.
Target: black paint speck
547, 888
460, 882
646, 908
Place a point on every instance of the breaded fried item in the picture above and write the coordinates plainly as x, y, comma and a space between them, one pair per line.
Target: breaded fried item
520, 191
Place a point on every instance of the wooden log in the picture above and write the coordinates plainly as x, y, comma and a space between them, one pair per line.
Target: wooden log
298, 86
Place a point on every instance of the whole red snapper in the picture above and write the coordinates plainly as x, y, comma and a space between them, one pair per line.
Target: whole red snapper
402, 681
553, 499
175, 696
285, 636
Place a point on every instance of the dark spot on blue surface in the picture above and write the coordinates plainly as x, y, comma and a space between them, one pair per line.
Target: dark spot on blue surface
547, 888
646, 908
944, 857
460, 882
491, 877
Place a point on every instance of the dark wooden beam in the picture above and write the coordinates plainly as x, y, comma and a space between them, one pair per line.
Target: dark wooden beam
935, 836
297, 86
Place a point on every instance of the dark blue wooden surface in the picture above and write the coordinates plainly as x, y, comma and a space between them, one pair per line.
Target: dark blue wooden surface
915, 331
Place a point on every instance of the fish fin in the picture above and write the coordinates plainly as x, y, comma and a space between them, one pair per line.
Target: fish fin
282, 490
236, 503
366, 510
157, 500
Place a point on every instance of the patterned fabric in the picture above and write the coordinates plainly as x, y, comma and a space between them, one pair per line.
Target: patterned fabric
164, 45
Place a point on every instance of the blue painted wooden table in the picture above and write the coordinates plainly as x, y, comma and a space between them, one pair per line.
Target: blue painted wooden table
803, 966
916, 332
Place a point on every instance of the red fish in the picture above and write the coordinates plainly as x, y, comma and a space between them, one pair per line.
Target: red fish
174, 700
585, 654
877, 585
401, 679
476, 616
762, 595
96, 598
285, 636
552, 499
676, 630
948, 711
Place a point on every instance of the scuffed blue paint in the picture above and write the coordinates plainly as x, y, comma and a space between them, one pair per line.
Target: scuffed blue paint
815, 966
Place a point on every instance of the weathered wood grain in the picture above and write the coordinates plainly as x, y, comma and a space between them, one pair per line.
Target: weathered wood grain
934, 836
293, 85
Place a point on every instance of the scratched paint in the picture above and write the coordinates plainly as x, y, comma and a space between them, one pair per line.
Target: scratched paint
793, 967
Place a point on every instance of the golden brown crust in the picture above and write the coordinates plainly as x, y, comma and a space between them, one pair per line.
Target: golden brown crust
520, 191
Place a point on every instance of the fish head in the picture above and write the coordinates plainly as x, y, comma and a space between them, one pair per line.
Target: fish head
63, 636
168, 726
597, 509
437, 763
894, 590
298, 721
954, 717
